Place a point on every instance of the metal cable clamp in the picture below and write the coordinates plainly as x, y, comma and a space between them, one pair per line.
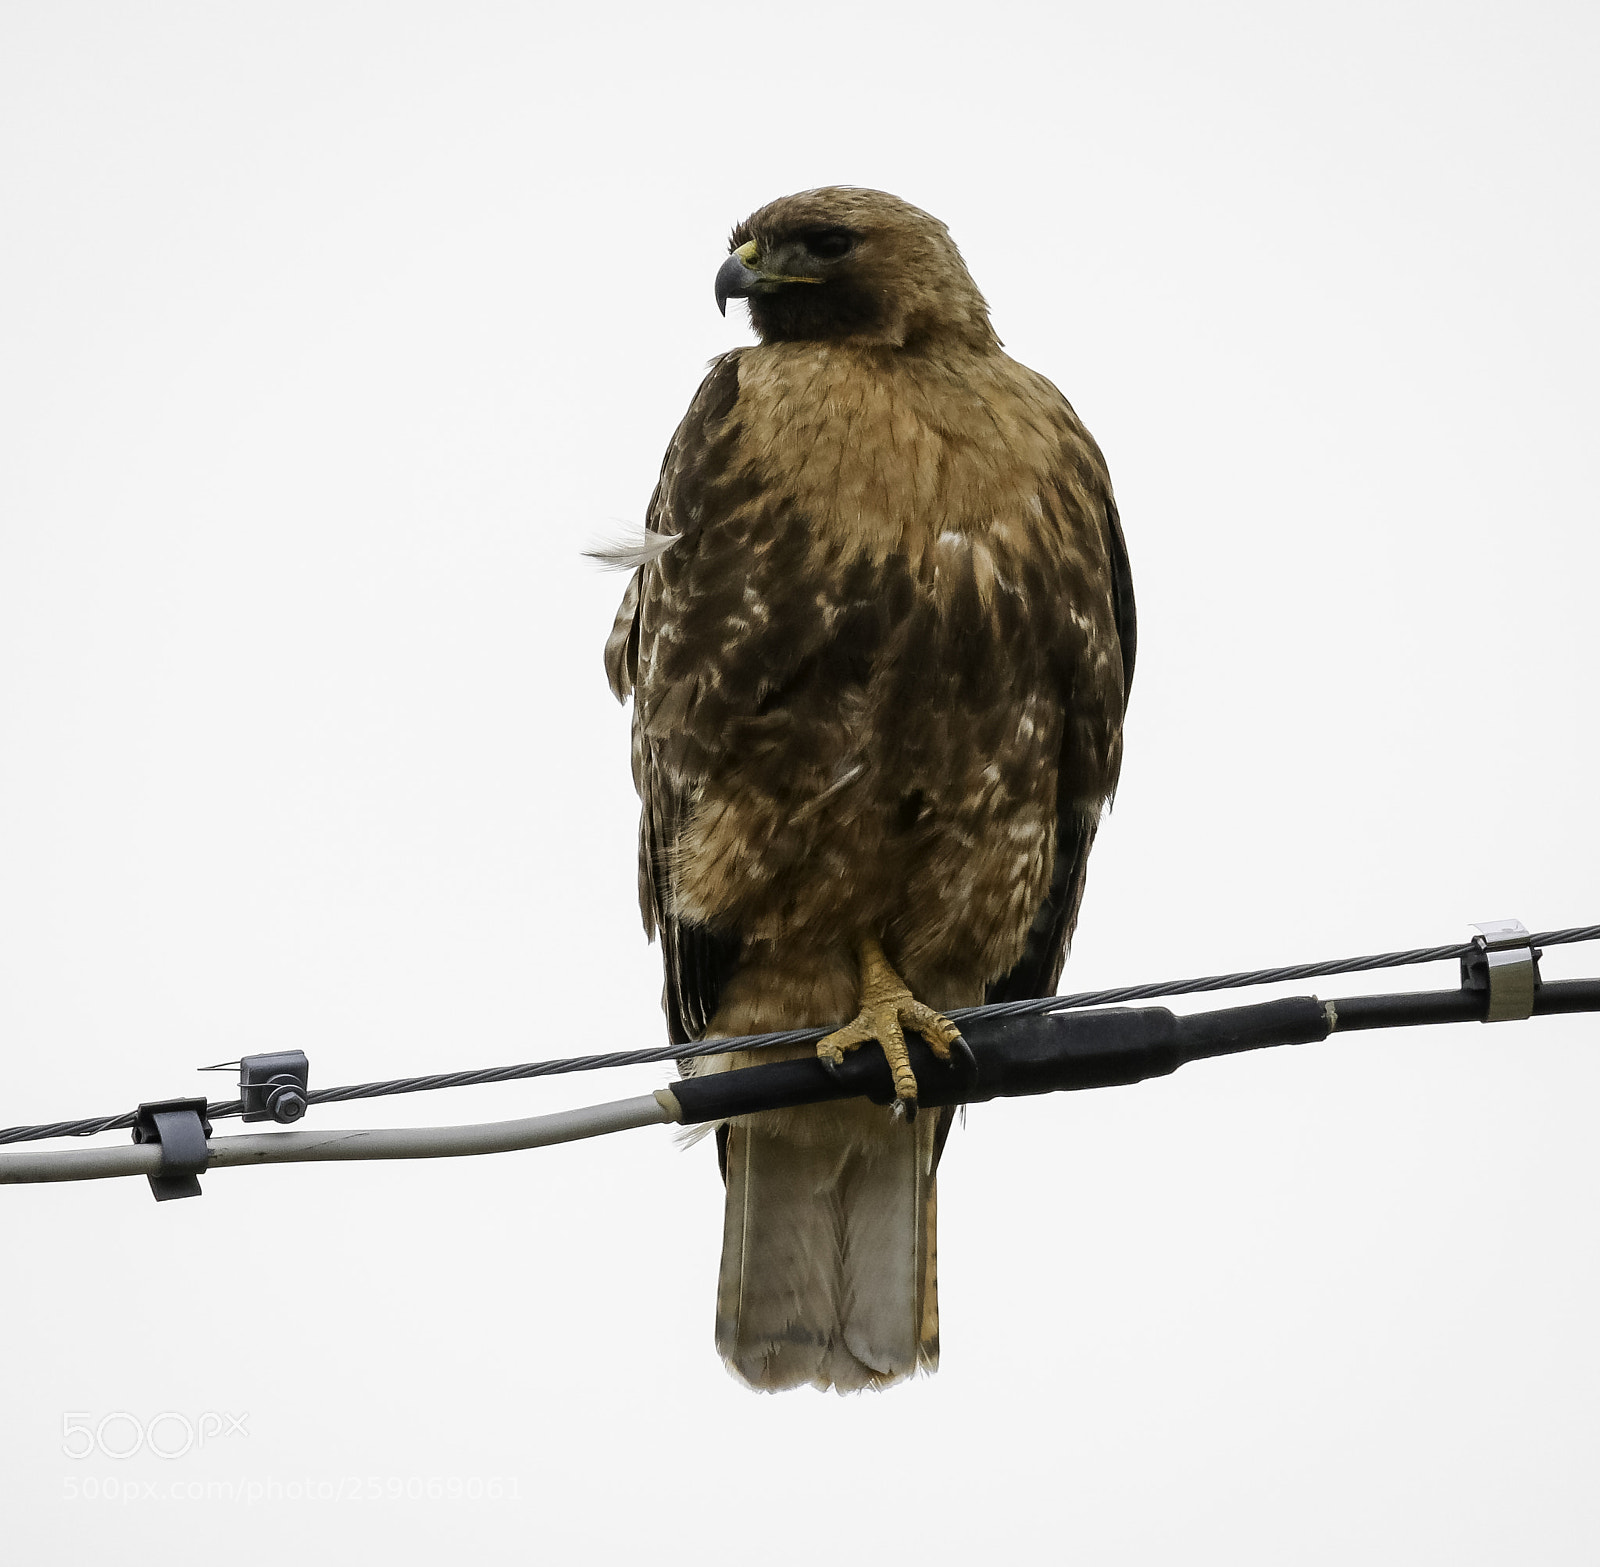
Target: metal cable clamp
1504, 963
272, 1087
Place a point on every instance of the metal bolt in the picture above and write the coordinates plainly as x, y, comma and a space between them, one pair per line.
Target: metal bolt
287, 1103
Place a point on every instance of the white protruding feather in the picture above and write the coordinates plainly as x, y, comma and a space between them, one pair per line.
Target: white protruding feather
634, 549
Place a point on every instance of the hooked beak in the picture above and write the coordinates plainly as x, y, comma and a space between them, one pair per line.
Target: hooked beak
735, 280
742, 275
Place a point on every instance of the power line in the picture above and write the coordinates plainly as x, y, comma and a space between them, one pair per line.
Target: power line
1043, 1004
1011, 1057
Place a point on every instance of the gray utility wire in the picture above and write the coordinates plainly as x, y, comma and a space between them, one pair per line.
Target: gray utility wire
797, 1036
406, 1142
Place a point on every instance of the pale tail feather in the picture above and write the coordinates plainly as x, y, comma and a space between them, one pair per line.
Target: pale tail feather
828, 1267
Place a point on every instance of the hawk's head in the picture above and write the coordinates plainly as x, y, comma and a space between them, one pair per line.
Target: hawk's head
847, 265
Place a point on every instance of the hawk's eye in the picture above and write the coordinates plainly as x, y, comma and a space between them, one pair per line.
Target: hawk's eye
829, 244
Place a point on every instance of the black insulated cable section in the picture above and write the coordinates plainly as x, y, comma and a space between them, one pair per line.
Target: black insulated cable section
1016, 1056
1066, 1051
1552, 998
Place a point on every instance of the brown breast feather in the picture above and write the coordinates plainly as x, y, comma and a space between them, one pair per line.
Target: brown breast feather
885, 635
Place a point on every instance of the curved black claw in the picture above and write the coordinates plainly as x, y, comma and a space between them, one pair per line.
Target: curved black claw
962, 1050
906, 1108
830, 1066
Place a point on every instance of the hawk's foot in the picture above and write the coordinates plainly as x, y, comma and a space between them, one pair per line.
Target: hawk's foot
887, 1009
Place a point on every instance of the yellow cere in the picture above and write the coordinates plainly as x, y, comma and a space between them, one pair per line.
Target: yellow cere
749, 253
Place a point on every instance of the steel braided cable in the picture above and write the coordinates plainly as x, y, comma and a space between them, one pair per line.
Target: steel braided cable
802, 1036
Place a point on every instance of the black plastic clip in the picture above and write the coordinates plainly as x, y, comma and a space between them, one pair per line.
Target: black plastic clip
1503, 963
181, 1127
273, 1087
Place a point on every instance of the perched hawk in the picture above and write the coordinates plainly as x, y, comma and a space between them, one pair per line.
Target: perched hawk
879, 638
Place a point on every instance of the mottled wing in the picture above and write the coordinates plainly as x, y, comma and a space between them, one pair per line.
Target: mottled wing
1038, 971
698, 960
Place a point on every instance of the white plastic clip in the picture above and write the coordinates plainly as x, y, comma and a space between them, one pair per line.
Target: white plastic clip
1512, 965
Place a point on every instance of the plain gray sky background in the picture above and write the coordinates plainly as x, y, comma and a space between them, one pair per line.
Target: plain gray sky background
333, 333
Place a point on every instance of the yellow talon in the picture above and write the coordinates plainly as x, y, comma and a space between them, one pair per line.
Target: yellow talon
887, 1009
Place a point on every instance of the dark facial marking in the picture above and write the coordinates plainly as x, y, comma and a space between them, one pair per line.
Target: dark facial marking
828, 244
809, 313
